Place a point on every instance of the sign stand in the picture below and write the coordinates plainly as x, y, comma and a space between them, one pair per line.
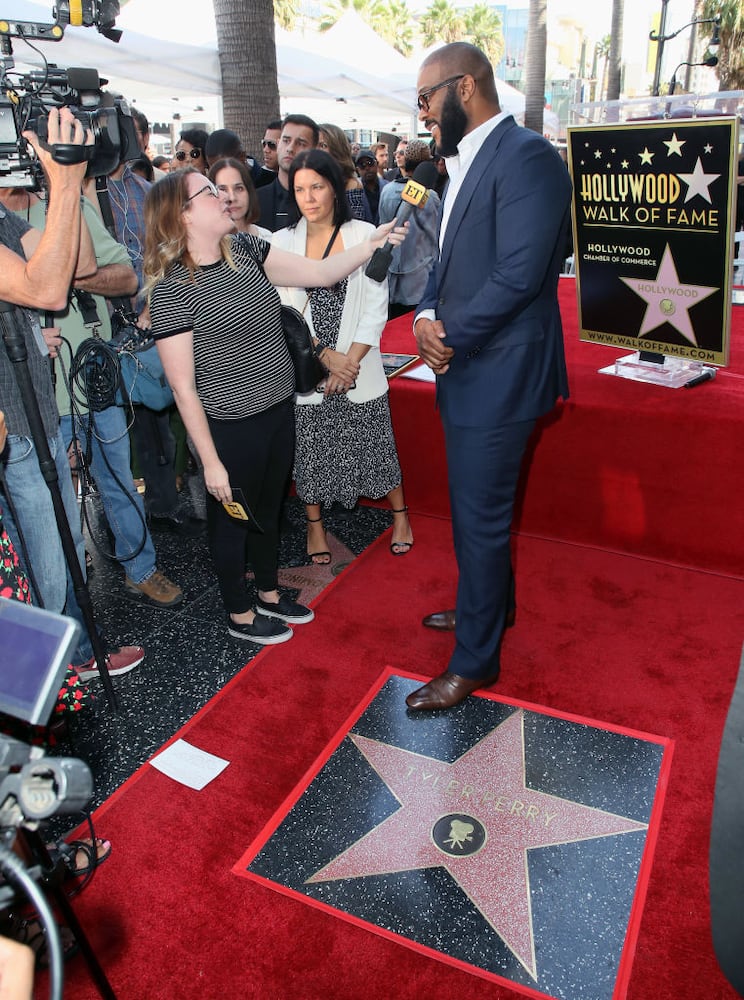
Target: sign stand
653, 215
671, 372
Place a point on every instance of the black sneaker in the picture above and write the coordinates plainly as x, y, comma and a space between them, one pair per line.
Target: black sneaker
286, 610
262, 630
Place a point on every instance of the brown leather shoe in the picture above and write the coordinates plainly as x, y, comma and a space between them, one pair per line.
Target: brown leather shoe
446, 690
444, 621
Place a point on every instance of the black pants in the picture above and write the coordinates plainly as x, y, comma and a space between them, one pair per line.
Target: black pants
257, 452
155, 450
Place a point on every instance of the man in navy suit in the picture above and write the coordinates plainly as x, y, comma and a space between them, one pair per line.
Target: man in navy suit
490, 328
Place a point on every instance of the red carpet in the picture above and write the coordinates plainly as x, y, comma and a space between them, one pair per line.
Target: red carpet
634, 643
623, 465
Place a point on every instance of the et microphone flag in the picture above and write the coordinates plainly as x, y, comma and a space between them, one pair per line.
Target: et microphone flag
414, 196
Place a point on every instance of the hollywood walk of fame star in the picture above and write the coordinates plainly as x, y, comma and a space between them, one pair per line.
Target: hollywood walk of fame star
477, 819
310, 581
646, 156
674, 145
667, 300
698, 182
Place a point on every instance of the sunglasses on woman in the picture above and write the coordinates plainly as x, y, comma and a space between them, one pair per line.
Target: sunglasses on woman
193, 153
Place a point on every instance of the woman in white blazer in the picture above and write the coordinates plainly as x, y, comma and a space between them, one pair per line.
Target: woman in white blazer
345, 446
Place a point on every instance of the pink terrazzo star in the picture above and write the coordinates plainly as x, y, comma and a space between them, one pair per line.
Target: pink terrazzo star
475, 818
667, 300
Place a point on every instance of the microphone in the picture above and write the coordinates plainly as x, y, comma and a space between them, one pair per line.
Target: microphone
414, 196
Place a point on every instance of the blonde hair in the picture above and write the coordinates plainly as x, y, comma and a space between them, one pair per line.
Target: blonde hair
166, 242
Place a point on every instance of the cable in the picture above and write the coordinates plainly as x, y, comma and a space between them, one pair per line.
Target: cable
93, 384
14, 870
95, 373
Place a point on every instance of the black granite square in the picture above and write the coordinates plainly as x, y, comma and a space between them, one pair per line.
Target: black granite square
508, 838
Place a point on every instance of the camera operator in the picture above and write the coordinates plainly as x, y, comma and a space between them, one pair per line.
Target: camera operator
103, 435
38, 269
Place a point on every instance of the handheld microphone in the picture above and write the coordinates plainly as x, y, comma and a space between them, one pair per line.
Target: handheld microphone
414, 196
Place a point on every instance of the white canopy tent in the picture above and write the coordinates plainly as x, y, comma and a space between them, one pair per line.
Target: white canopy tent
164, 75
167, 64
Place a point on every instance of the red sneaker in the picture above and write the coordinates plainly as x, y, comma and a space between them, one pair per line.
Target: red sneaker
120, 660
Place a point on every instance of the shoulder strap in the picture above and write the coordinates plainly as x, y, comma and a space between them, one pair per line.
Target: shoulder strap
331, 241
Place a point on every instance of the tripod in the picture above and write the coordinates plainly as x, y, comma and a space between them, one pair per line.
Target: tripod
15, 345
50, 875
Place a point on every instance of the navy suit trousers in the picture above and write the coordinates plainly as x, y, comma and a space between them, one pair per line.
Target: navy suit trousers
483, 470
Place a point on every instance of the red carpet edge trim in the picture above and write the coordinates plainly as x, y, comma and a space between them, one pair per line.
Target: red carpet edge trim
625, 964
358, 561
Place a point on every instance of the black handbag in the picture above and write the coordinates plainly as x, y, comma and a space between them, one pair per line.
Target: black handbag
309, 372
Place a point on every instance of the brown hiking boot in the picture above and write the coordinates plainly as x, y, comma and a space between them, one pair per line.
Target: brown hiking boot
156, 590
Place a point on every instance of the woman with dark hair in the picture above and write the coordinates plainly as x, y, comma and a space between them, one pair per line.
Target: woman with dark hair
190, 150
345, 445
232, 178
333, 141
216, 319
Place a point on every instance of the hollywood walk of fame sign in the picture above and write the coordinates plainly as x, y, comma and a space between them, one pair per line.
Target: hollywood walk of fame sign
506, 839
653, 222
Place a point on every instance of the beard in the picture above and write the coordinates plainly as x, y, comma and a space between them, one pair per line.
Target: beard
453, 123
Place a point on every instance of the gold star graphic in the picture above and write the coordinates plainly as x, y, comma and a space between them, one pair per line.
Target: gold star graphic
646, 157
674, 145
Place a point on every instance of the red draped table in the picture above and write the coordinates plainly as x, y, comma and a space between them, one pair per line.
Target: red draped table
623, 465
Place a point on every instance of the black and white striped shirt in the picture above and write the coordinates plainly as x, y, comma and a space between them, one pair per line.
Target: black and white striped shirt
241, 362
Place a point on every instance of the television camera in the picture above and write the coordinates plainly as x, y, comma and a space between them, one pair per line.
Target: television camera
26, 100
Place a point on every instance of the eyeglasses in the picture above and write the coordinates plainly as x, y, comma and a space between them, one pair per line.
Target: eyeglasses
422, 101
268, 144
193, 153
213, 192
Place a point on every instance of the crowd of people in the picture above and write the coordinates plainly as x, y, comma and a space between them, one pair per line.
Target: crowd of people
212, 202
205, 249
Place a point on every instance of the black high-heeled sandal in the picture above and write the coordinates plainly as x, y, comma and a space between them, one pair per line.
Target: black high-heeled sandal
316, 556
398, 545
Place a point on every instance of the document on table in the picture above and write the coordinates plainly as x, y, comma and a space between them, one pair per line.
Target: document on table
422, 373
189, 765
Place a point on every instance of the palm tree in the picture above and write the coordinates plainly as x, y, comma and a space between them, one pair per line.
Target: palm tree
247, 51
731, 50
483, 29
614, 62
534, 65
603, 53
441, 22
396, 26
286, 13
371, 11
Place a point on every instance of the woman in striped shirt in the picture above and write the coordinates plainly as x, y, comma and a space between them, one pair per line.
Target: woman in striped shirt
216, 319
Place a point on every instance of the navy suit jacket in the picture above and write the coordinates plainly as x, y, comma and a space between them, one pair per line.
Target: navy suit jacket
495, 285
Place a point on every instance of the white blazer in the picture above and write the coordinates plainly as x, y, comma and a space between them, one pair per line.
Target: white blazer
363, 318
